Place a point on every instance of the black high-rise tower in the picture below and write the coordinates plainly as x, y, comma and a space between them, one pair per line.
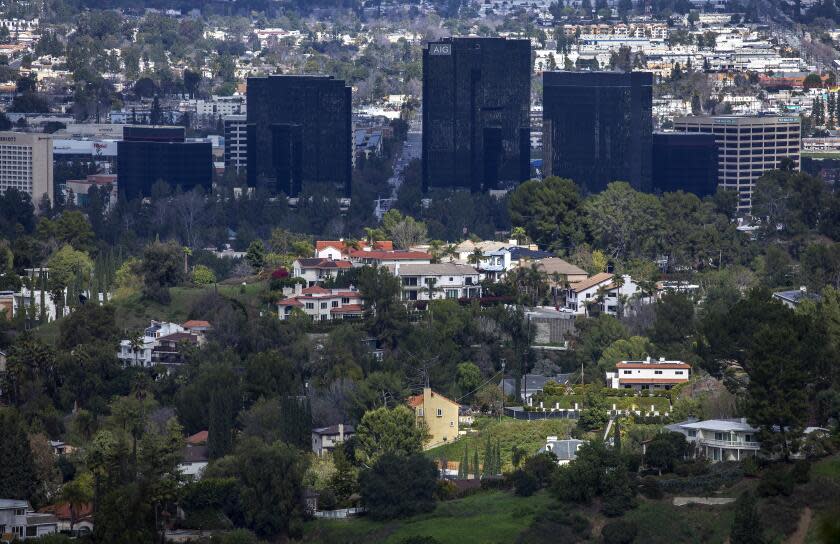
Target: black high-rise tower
476, 103
598, 128
299, 132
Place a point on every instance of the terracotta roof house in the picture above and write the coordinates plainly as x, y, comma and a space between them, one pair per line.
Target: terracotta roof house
338, 249
440, 415
323, 304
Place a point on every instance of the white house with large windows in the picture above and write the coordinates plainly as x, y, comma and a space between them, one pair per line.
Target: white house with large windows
17, 518
436, 281
648, 374
720, 439
604, 290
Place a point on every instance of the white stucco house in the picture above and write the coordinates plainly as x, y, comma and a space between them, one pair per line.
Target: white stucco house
648, 374
437, 281
604, 290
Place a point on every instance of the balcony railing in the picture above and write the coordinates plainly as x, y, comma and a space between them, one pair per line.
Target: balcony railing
733, 444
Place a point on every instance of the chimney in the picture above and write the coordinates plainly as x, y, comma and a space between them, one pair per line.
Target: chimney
803, 289
662, 359
513, 242
341, 432
298, 288
648, 359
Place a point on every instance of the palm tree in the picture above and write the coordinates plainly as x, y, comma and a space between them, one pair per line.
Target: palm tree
436, 249
431, 288
76, 494
136, 344
450, 252
475, 257
187, 253
601, 295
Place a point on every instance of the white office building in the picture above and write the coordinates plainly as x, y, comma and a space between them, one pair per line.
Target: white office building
748, 147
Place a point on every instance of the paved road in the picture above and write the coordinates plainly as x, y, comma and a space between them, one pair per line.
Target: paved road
411, 150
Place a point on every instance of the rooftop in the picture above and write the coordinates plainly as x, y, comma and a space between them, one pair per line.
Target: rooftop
722, 425
592, 281
333, 430
438, 269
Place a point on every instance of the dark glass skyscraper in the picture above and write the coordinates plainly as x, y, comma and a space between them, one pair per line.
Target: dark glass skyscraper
476, 102
299, 132
598, 128
685, 162
148, 154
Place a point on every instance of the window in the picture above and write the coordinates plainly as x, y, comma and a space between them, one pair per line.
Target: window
345, 300
451, 423
718, 436
32, 531
310, 305
335, 304
628, 372
692, 433
451, 293
323, 305
657, 372
420, 411
439, 412
748, 438
678, 372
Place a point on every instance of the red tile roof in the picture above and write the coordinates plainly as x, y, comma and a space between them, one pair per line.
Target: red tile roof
61, 510
348, 309
291, 302
195, 323
315, 290
415, 400
198, 438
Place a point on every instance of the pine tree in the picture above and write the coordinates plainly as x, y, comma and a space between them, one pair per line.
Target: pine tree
476, 469
818, 113
831, 108
498, 463
747, 527
17, 469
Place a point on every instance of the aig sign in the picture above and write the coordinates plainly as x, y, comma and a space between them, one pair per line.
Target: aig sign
440, 49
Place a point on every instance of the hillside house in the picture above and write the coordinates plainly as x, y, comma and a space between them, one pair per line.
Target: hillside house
440, 415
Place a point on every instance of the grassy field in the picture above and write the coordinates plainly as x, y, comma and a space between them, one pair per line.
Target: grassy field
528, 435
485, 518
662, 522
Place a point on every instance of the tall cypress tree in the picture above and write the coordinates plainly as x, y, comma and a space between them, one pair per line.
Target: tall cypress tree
17, 469
464, 466
488, 458
476, 469
617, 436
220, 430
498, 460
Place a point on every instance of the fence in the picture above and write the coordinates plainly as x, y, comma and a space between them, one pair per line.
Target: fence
341, 513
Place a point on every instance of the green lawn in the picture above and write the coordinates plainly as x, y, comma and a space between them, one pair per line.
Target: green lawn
484, 518
528, 435
827, 468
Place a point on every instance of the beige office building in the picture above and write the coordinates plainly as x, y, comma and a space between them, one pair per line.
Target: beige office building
26, 164
748, 147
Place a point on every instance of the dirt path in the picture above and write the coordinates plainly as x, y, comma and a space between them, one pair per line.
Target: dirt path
798, 537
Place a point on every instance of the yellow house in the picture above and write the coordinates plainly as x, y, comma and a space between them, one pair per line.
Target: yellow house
440, 415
